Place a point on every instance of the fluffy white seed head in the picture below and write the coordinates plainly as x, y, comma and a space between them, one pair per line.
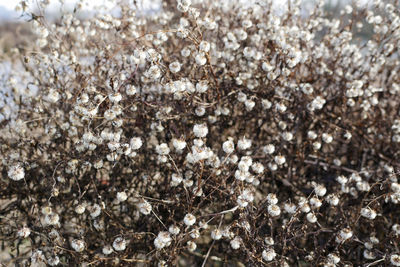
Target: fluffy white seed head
244, 143
228, 147
136, 143
191, 245
78, 245
311, 217
280, 160
162, 149
200, 130
344, 235
216, 234
107, 250
174, 230
269, 255
236, 242
162, 240
189, 219
122, 196
119, 244
368, 213
175, 67
269, 149
144, 207
320, 190
274, 210
395, 259
16, 172
179, 144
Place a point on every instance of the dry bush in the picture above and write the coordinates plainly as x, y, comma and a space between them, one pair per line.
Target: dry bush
207, 133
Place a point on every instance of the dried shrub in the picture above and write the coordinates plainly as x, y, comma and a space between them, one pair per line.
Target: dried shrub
207, 133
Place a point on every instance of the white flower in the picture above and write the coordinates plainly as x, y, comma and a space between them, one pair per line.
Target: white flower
189, 219
204, 46
269, 241
80, 208
257, 167
176, 179
78, 245
53, 96
396, 228
51, 219
53, 261
162, 149
191, 245
280, 160
315, 202
343, 235
311, 135
287, 136
316, 145
95, 211
332, 199
244, 143
122, 196
369, 255
201, 59
228, 147
144, 207
175, 67
107, 250
311, 217
269, 149
179, 144
272, 199
249, 104
119, 244
235, 243
24, 232
327, 138
274, 210
368, 213
115, 97
395, 260
153, 72
269, 255
320, 190
130, 89
342, 179
195, 233
333, 258
202, 86
136, 143
162, 240
200, 130
290, 208
16, 172
185, 52
216, 234
174, 230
